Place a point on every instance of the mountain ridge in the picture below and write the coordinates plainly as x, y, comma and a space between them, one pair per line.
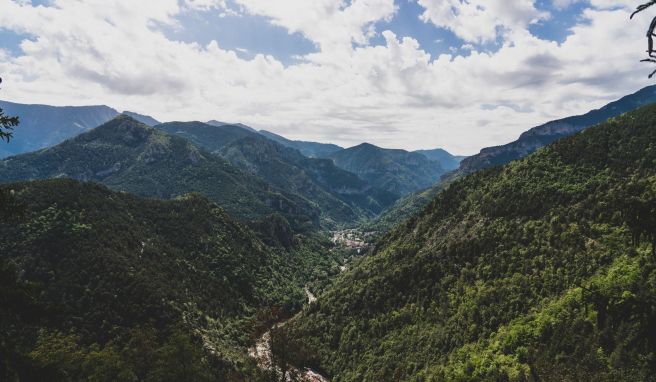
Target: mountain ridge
127, 155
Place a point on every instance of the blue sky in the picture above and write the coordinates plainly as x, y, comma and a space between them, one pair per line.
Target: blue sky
412, 74
253, 34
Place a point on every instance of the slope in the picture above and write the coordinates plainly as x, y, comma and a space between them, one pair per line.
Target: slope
135, 289
542, 135
309, 149
209, 137
145, 119
541, 270
129, 156
342, 197
42, 126
446, 160
396, 171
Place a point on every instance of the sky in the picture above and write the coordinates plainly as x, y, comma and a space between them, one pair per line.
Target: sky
412, 74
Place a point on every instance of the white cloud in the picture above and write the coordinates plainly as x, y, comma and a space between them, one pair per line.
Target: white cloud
394, 95
329, 23
481, 21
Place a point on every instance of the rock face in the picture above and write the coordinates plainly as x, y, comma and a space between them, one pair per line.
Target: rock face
540, 136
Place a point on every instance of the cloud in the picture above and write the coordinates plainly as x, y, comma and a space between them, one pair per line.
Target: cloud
393, 94
328, 23
481, 21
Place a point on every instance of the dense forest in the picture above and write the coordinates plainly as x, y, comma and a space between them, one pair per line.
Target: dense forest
543, 269
101, 286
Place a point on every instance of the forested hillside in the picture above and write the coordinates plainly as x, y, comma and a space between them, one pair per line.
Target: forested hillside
396, 171
129, 156
542, 270
210, 137
341, 196
99, 285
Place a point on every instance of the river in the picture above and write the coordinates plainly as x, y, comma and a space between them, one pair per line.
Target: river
261, 352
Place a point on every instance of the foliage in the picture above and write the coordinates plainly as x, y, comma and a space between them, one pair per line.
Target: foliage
117, 271
129, 156
396, 171
540, 270
341, 196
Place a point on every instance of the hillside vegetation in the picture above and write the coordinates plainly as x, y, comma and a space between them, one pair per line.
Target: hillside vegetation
542, 270
341, 196
129, 156
396, 171
99, 285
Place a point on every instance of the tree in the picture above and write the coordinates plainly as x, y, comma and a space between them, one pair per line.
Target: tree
8, 207
7, 124
650, 34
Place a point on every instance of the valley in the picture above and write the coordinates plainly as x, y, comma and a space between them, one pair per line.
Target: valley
139, 250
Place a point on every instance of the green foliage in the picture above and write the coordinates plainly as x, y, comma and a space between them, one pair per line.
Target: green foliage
7, 124
540, 270
117, 271
341, 196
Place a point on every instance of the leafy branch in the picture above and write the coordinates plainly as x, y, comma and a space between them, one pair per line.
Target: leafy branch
7, 124
650, 34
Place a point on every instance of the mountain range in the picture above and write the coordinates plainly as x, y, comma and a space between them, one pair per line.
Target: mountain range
542, 269
42, 126
309, 149
129, 156
166, 253
396, 171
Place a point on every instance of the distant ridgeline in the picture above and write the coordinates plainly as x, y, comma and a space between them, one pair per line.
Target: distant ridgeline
541, 270
42, 125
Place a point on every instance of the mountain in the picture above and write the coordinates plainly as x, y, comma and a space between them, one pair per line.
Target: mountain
402, 209
219, 124
396, 171
341, 196
145, 119
42, 126
107, 286
210, 137
446, 160
541, 136
129, 156
541, 270
309, 149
